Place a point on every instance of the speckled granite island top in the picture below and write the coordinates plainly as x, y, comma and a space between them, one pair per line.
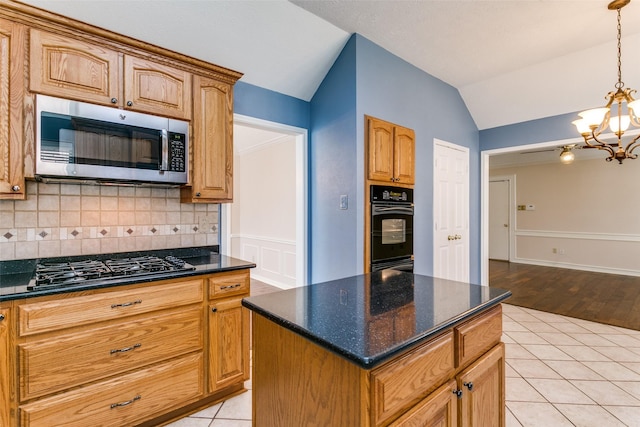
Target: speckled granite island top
370, 318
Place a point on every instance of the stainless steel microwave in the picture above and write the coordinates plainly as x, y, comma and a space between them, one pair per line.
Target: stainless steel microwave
81, 141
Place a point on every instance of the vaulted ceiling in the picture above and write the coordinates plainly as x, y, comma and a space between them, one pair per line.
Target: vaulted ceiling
511, 60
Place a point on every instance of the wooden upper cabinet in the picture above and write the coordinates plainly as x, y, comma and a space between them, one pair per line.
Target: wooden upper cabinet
12, 45
156, 88
70, 68
212, 142
391, 152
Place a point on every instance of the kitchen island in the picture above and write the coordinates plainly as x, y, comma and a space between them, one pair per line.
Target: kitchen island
386, 348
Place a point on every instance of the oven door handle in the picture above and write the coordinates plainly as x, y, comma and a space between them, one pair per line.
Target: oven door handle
381, 210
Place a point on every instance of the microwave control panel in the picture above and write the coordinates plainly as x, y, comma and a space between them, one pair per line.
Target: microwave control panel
177, 152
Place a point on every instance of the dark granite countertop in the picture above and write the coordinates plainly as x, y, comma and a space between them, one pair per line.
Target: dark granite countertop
15, 275
370, 318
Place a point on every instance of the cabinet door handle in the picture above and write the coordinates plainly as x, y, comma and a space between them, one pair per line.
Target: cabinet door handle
15, 188
458, 393
126, 304
2, 317
114, 100
237, 285
128, 402
468, 385
126, 349
214, 309
129, 103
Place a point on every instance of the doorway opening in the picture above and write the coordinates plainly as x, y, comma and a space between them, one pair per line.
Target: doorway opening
267, 221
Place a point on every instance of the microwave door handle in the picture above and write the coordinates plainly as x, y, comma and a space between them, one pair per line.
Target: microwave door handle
164, 165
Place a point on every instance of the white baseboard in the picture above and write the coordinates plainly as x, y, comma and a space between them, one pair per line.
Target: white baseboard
571, 266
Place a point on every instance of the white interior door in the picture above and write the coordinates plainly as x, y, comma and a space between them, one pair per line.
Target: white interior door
499, 219
451, 211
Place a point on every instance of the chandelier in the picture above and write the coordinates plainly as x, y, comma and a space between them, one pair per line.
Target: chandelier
626, 112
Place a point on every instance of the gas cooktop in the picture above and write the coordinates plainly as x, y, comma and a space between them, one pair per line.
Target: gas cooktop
60, 274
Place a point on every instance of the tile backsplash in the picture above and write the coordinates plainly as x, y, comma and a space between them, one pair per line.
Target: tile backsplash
68, 219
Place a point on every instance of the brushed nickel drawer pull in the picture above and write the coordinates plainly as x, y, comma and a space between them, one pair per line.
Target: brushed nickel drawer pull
126, 304
237, 285
124, 350
128, 402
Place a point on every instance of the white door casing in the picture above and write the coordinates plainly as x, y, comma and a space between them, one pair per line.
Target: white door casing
499, 219
451, 211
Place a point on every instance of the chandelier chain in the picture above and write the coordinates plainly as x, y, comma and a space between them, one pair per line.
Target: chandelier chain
620, 83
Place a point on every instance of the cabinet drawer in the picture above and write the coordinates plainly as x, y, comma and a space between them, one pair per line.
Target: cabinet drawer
440, 408
52, 365
226, 284
122, 401
478, 335
81, 310
400, 384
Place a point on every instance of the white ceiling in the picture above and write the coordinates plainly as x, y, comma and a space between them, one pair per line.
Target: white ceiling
511, 60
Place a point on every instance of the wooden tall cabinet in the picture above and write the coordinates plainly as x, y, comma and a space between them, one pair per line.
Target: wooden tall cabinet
390, 152
12, 89
212, 141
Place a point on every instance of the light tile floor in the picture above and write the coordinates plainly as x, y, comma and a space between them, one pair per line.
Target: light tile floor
560, 372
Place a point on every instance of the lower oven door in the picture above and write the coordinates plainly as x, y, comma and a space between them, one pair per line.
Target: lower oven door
391, 231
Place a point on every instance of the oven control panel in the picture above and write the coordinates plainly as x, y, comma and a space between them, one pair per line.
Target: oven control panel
387, 193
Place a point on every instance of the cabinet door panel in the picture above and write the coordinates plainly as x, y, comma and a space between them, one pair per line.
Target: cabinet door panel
228, 343
70, 68
156, 88
439, 409
212, 172
6, 362
404, 155
12, 41
482, 404
380, 150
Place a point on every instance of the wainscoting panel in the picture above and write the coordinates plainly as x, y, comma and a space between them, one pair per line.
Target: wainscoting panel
275, 259
606, 253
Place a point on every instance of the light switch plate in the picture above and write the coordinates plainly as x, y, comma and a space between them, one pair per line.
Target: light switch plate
344, 201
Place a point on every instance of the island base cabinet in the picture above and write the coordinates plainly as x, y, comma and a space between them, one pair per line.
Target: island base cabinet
123, 401
483, 391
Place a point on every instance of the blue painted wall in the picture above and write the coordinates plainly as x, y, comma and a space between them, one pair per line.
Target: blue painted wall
541, 130
333, 162
368, 80
254, 101
391, 89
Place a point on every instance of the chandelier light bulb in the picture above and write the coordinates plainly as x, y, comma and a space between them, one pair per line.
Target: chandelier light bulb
619, 124
567, 156
594, 117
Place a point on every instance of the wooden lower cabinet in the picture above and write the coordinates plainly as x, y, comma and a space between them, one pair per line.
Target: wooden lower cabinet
298, 382
124, 400
483, 391
228, 343
140, 354
6, 359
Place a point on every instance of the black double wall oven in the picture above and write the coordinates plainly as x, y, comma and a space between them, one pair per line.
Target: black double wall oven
391, 228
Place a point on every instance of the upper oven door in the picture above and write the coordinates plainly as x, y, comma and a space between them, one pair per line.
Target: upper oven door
391, 231
80, 140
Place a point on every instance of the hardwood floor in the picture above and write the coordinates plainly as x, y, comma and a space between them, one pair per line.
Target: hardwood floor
605, 298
